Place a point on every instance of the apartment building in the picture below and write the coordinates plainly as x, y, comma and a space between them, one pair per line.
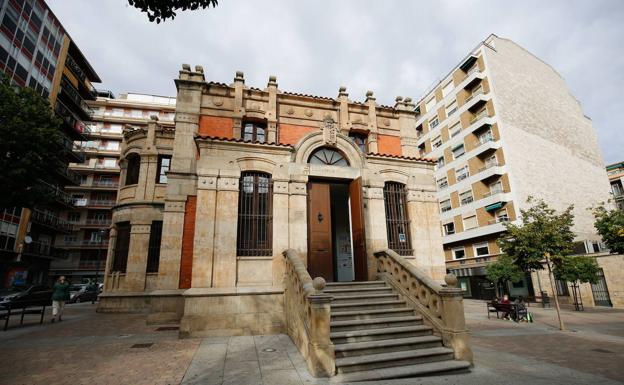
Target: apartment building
96, 194
616, 178
37, 52
503, 126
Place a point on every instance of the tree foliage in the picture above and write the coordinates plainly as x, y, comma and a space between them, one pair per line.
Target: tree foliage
581, 269
503, 270
161, 10
30, 146
543, 232
610, 226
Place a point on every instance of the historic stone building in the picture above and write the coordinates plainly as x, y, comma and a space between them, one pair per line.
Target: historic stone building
205, 210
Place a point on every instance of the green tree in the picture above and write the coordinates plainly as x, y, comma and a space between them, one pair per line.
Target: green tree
579, 269
610, 226
30, 146
161, 10
503, 270
544, 237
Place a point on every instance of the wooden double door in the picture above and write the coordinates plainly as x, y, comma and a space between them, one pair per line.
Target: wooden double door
328, 211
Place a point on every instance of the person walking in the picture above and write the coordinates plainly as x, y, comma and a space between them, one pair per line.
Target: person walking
60, 294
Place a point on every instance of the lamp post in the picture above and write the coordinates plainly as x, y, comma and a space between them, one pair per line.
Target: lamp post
101, 233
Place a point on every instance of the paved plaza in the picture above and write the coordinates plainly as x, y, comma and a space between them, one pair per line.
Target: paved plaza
91, 348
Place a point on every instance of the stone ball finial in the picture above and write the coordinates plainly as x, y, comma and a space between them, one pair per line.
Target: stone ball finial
369, 93
342, 89
240, 74
398, 99
408, 100
319, 284
186, 67
199, 69
272, 78
451, 280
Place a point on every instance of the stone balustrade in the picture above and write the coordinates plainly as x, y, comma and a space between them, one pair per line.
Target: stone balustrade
442, 307
307, 313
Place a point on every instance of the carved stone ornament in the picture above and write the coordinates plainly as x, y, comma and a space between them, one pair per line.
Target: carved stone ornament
290, 111
386, 122
330, 131
217, 102
308, 112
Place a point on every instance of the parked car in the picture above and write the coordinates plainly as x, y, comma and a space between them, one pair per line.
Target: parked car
75, 288
84, 295
22, 296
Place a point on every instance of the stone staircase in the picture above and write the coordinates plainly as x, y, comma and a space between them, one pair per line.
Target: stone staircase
377, 336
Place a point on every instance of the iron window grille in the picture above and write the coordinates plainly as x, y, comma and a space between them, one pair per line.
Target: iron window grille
133, 168
164, 162
397, 222
153, 252
255, 215
255, 132
122, 245
359, 140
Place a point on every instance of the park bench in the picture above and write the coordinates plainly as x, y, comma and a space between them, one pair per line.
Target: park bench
21, 309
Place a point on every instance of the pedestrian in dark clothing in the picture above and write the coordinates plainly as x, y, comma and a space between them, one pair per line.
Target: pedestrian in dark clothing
60, 294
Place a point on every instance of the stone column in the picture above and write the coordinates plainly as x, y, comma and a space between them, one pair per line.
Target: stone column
280, 228
298, 216
171, 243
422, 209
239, 108
226, 219
375, 222
137, 257
112, 238
271, 114
343, 113
407, 124
372, 122
203, 250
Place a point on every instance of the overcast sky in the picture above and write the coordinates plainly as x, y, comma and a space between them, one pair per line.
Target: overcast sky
390, 47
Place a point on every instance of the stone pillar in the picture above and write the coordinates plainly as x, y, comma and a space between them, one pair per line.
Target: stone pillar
271, 114
112, 238
456, 333
321, 362
226, 219
203, 250
137, 257
280, 228
375, 222
372, 122
422, 209
407, 124
297, 217
343, 113
239, 108
171, 243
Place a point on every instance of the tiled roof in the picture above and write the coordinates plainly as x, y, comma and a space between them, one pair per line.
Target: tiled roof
208, 137
402, 157
218, 84
308, 96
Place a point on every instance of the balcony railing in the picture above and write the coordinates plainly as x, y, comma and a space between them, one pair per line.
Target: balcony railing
38, 248
98, 222
484, 140
83, 202
50, 220
488, 166
57, 193
493, 192
105, 183
75, 97
70, 175
472, 70
70, 118
479, 115
498, 220
84, 243
474, 94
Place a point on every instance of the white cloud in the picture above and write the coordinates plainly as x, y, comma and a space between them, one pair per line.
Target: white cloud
391, 47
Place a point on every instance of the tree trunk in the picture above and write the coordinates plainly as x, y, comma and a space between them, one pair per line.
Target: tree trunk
554, 290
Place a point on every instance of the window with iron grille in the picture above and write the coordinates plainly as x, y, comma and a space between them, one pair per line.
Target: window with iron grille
132, 169
153, 252
397, 222
122, 244
562, 287
255, 215
254, 131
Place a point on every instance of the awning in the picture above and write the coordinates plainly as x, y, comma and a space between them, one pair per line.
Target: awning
468, 271
494, 206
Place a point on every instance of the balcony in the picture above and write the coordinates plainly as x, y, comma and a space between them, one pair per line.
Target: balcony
40, 249
84, 202
500, 219
473, 70
72, 121
84, 244
474, 95
479, 115
72, 94
97, 222
485, 145
105, 183
57, 194
494, 192
51, 221
71, 176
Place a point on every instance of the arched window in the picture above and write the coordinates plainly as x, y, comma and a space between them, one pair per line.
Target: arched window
328, 156
132, 170
397, 221
255, 215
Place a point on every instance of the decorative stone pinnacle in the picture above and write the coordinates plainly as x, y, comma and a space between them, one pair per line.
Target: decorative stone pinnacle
319, 284
240, 76
408, 100
199, 69
186, 67
369, 94
273, 80
398, 99
451, 280
342, 89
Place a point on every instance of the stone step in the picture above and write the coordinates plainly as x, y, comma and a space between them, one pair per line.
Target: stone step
374, 304
419, 370
363, 297
379, 334
392, 359
362, 290
375, 323
355, 284
386, 346
370, 313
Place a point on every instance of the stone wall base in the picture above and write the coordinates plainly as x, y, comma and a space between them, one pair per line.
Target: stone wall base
232, 311
161, 306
